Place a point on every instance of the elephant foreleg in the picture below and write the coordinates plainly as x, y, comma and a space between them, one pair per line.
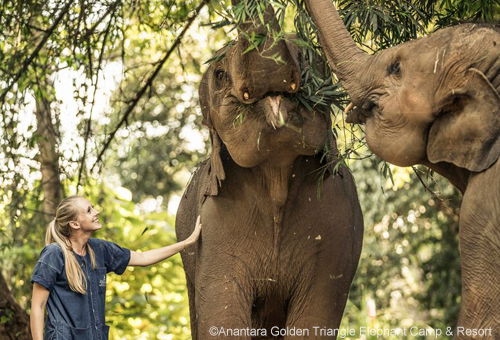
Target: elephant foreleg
480, 310
224, 310
480, 256
317, 310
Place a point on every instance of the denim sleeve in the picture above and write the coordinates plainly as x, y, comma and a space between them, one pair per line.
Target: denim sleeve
116, 258
49, 266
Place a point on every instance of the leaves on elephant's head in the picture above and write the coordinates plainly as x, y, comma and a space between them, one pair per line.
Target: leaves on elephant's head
215, 58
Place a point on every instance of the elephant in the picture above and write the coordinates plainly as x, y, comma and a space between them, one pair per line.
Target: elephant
280, 244
435, 101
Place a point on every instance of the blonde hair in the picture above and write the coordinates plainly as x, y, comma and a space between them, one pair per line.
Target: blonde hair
59, 232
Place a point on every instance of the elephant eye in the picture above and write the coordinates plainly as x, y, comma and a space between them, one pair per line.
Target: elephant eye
220, 74
368, 106
221, 77
394, 68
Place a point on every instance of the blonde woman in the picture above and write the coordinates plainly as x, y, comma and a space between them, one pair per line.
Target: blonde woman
69, 279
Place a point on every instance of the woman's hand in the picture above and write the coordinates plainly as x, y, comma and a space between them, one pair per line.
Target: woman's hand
156, 255
196, 233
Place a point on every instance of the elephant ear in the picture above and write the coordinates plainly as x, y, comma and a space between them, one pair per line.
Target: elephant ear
216, 173
466, 133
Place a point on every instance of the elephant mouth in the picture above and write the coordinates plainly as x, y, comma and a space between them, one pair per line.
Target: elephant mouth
281, 112
358, 114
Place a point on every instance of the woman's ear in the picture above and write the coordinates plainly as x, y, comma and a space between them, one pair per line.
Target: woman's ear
216, 172
466, 133
74, 225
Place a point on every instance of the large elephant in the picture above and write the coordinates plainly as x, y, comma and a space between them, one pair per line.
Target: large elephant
276, 250
435, 101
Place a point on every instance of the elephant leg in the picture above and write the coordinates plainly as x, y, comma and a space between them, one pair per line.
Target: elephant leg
480, 310
192, 308
480, 259
319, 309
223, 308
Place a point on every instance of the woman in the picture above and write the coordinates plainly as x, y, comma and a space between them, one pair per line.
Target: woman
70, 276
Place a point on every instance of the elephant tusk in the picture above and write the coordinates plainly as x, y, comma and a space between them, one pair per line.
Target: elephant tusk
348, 108
275, 103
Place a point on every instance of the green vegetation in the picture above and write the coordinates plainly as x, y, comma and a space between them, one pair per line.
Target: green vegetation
116, 85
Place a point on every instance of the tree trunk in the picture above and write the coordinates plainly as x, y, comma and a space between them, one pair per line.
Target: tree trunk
14, 322
48, 155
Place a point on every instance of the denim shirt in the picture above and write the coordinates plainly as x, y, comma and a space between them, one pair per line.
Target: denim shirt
71, 315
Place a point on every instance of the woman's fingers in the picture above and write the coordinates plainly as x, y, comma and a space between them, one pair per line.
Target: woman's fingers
196, 232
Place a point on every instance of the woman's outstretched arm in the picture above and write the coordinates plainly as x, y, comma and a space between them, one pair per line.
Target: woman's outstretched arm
156, 255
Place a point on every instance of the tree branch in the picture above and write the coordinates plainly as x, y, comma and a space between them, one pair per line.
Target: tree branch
89, 121
149, 81
34, 54
111, 9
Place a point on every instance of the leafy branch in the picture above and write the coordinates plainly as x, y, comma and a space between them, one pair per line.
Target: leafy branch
149, 82
35, 52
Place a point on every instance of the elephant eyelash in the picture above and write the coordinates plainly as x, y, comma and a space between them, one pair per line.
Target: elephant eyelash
369, 105
221, 78
220, 74
394, 68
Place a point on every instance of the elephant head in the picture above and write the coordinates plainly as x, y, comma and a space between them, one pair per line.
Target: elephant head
247, 98
427, 101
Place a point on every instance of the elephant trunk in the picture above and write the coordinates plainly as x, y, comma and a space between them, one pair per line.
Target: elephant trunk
345, 58
269, 67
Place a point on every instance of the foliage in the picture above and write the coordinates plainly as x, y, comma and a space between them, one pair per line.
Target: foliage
148, 163
89, 38
409, 267
451, 12
143, 301
409, 272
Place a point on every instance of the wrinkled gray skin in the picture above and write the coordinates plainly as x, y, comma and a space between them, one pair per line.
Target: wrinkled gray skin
435, 101
273, 250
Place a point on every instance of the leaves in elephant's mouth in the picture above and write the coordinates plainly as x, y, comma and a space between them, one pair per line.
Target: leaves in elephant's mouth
241, 114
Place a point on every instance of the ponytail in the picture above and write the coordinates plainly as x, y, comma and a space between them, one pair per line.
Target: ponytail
59, 231
50, 230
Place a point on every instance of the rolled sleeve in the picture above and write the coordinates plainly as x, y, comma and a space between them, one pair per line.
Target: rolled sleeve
116, 258
48, 267
44, 275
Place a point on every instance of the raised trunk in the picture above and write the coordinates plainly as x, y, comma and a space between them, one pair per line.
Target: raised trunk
344, 57
14, 322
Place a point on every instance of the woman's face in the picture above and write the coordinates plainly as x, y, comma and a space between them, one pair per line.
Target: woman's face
88, 216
